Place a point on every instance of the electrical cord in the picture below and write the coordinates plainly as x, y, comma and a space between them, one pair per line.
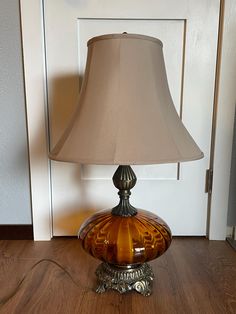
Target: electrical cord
14, 292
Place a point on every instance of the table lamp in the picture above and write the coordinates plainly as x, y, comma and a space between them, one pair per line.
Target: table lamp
125, 117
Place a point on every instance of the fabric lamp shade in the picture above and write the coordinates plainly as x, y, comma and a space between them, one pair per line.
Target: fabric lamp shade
125, 114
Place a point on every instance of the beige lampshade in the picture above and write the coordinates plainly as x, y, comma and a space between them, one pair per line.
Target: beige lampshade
125, 114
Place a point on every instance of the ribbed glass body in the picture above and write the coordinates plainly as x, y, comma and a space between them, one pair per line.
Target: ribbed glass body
125, 240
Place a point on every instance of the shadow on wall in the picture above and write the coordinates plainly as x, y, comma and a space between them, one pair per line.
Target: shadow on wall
71, 204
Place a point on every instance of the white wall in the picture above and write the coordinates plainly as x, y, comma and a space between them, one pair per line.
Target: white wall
15, 207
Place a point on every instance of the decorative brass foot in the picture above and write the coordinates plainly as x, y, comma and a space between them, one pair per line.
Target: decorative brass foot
125, 278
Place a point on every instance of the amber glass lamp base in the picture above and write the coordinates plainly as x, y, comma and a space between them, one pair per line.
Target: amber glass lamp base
125, 238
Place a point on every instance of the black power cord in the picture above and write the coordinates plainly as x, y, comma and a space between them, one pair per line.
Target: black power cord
17, 288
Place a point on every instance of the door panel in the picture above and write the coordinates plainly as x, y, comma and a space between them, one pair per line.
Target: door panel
188, 31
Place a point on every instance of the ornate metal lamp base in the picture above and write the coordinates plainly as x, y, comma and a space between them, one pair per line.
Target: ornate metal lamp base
125, 278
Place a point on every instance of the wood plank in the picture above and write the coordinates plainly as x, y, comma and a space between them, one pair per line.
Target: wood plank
194, 276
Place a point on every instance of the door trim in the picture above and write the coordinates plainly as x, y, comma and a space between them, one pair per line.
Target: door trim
37, 120
36, 114
223, 122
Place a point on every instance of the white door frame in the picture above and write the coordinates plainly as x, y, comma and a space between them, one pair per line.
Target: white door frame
35, 91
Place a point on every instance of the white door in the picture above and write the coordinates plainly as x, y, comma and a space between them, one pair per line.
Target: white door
188, 30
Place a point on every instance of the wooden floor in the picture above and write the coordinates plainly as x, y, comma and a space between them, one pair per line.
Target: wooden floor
194, 276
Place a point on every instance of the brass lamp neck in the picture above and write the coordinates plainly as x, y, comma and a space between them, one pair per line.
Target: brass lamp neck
124, 179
